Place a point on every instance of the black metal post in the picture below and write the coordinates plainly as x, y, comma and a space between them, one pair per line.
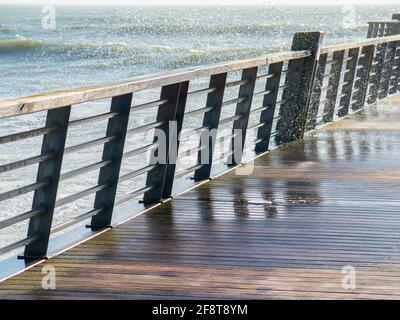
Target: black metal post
243, 108
347, 89
376, 72
396, 16
267, 116
387, 69
316, 93
394, 83
156, 178
363, 75
113, 150
333, 86
174, 140
49, 170
299, 83
371, 30
211, 122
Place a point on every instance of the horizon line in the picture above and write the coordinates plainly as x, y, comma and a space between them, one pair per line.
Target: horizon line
188, 4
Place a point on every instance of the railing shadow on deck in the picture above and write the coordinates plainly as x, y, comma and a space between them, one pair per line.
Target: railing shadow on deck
257, 104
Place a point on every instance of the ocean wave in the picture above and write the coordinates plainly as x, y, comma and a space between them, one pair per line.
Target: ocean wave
192, 57
6, 28
19, 44
218, 29
22, 44
120, 54
189, 26
84, 26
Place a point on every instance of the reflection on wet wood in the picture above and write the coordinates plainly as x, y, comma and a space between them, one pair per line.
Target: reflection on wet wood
286, 231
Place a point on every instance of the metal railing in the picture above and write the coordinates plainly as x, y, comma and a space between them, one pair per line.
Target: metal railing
378, 29
301, 89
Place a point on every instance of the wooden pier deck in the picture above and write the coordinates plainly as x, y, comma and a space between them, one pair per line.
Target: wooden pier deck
285, 231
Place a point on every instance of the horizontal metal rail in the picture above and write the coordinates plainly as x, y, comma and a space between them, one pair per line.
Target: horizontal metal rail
18, 244
26, 135
202, 91
22, 217
62, 226
80, 195
89, 144
98, 117
236, 83
145, 127
77, 172
234, 101
132, 195
198, 111
187, 171
149, 105
22, 190
140, 150
135, 173
25, 162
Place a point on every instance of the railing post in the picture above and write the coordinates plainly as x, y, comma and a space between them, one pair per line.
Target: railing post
162, 175
395, 62
394, 82
363, 74
49, 170
387, 69
333, 86
174, 140
376, 72
267, 116
246, 91
211, 122
371, 30
347, 89
113, 151
394, 28
299, 84
382, 29
316, 93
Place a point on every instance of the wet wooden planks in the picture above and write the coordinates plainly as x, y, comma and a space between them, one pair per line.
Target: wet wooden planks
307, 211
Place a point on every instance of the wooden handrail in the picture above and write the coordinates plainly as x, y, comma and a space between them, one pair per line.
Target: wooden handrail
358, 44
58, 99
